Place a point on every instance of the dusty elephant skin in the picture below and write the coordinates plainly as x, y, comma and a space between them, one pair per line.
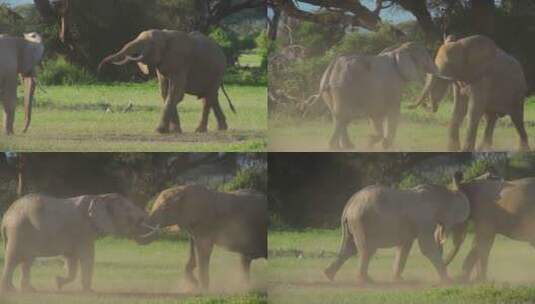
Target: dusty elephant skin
361, 85
18, 56
185, 64
497, 207
487, 82
236, 221
42, 226
382, 217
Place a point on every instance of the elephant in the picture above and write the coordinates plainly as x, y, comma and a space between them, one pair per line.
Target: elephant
18, 56
497, 207
383, 217
38, 225
356, 85
236, 221
185, 63
486, 82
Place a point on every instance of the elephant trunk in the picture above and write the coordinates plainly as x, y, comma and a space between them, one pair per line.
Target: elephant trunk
127, 54
149, 234
423, 94
28, 98
458, 236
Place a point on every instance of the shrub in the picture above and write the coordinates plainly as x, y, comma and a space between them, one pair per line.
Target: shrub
60, 72
249, 178
246, 76
229, 42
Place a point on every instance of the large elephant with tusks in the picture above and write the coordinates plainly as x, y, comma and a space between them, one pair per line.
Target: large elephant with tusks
236, 221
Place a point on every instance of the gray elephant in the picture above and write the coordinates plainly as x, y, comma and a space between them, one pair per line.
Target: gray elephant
371, 86
382, 217
497, 207
185, 63
18, 56
487, 82
37, 225
236, 221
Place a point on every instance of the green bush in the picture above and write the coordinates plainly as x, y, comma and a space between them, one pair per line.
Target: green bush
249, 178
229, 42
60, 72
246, 76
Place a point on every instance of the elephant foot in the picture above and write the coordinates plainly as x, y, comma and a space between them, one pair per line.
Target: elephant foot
454, 147
374, 139
201, 129
398, 279
347, 145
329, 273
222, 127
524, 148
162, 129
174, 128
365, 280
60, 282
88, 290
387, 144
191, 280
7, 288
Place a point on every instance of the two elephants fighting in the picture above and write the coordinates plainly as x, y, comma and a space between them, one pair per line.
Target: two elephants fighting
381, 217
42, 226
487, 82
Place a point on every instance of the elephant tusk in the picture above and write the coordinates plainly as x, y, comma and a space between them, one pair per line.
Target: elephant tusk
135, 58
125, 60
157, 228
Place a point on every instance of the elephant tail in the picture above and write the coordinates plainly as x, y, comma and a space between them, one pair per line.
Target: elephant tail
228, 99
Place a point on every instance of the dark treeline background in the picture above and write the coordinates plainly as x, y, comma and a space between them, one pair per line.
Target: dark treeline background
139, 176
311, 189
304, 40
78, 34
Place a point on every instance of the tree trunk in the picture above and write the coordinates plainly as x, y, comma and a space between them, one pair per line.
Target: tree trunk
21, 176
273, 24
483, 16
419, 9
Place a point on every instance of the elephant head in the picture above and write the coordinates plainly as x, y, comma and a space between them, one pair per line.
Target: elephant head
184, 206
412, 60
115, 214
453, 214
152, 48
465, 61
30, 55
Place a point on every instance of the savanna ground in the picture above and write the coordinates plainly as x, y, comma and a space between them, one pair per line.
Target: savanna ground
418, 130
128, 273
298, 258
75, 118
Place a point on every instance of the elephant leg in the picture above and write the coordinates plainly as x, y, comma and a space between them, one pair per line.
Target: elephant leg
489, 131
10, 263
431, 250
191, 264
245, 262
474, 116
25, 284
10, 102
460, 106
518, 120
219, 115
484, 246
170, 120
391, 128
378, 128
204, 251
87, 262
72, 270
334, 143
203, 124
401, 259
347, 250
366, 252
469, 262
345, 142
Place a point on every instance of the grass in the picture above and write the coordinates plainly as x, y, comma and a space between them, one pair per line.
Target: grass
128, 273
297, 260
418, 130
74, 118
251, 59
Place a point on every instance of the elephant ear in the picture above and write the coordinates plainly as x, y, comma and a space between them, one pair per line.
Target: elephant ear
143, 68
30, 56
406, 64
100, 214
177, 50
479, 55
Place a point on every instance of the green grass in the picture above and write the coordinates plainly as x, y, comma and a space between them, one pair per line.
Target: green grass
74, 118
298, 258
251, 59
418, 130
128, 273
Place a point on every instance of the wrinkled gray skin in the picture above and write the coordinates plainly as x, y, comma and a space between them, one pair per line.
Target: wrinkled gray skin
381, 217
236, 221
497, 207
371, 86
18, 56
496, 88
185, 64
37, 225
